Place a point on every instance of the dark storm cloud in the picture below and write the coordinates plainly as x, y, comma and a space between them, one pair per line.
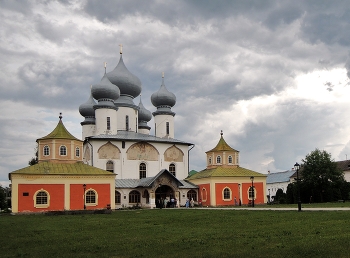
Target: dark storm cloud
215, 54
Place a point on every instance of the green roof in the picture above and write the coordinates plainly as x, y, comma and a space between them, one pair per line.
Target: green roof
60, 132
225, 172
192, 172
50, 168
222, 146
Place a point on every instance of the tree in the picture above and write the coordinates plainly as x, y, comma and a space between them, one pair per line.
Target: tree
34, 160
320, 177
3, 202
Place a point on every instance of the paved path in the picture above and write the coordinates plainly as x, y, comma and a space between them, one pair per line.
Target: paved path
279, 209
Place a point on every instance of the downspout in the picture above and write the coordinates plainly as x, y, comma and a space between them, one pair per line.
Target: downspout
92, 151
188, 165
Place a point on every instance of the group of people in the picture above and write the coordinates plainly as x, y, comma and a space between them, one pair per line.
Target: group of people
165, 203
189, 203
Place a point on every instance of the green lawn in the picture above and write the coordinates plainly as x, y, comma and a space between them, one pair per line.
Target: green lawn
178, 233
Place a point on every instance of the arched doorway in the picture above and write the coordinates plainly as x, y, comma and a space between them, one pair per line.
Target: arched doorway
164, 192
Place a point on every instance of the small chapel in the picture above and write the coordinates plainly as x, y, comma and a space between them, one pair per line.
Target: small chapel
60, 180
225, 183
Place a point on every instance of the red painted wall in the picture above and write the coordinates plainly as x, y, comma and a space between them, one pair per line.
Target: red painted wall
259, 188
207, 188
77, 196
219, 187
26, 203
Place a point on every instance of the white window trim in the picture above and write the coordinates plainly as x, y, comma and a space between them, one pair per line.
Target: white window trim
223, 190
96, 198
41, 206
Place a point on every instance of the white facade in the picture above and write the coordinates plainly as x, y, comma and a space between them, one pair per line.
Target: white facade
148, 168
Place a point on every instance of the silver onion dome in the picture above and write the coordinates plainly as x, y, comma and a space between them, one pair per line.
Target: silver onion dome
129, 84
163, 97
87, 109
105, 92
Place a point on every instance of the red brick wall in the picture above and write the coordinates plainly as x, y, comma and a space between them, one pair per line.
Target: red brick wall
207, 188
77, 196
26, 203
259, 188
219, 187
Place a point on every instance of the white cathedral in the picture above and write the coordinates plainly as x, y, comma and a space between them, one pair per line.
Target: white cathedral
117, 138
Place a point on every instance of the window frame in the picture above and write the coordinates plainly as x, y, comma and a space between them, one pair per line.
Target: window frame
42, 204
108, 123
230, 159
218, 159
226, 194
88, 201
142, 170
172, 169
63, 150
109, 165
134, 197
77, 152
118, 197
192, 194
46, 151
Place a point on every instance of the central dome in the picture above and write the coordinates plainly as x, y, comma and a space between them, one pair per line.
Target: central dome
128, 83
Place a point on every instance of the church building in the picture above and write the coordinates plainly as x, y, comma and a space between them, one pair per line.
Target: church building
118, 163
225, 183
148, 168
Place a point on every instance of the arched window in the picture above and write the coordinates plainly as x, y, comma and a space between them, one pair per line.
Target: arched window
227, 194
218, 159
209, 160
117, 197
110, 166
134, 197
204, 194
172, 169
77, 152
63, 150
229, 159
252, 193
46, 150
90, 197
192, 194
41, 199
143, 170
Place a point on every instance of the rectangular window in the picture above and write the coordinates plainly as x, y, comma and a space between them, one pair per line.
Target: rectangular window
25, 194
108, 123
167, 128
127, 123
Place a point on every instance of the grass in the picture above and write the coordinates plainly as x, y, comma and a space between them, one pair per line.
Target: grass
178, 233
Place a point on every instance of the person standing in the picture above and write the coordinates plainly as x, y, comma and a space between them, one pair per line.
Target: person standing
187, 203
192, 203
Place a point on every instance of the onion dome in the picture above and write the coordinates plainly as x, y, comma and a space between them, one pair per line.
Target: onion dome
163, 97
105, 92
144, 114
87, 110
129, 84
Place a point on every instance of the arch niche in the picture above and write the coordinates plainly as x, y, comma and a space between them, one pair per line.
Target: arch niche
164, 192
142, 151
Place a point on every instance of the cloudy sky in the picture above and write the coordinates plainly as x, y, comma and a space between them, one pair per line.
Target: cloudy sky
273, 75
